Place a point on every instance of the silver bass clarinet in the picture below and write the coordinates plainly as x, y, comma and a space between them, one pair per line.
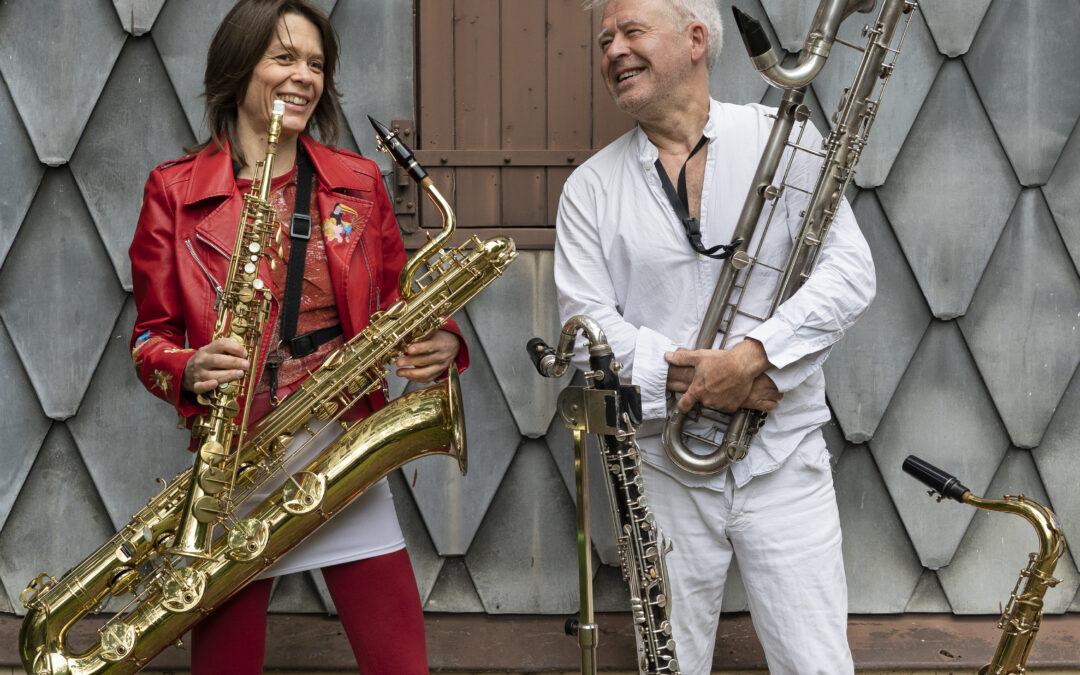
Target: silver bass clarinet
852, 121
610, 409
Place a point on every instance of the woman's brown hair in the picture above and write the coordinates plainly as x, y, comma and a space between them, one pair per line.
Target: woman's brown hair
239, 43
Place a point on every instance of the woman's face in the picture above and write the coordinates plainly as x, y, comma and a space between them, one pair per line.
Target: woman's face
291, 69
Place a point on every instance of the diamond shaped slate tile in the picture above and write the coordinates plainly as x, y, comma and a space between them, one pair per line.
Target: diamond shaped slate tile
377, 39
59, 296
523, 560
20, 168
1056, 457
941, 412
182, 34
882, 568
953, 22
996, 547
863, 369
297, 593
425, 560
454, 590
516, 308
928, 596
53, 82
23, 425
560, 441
453, 505
1063, 196
946, 223
137, 16
138, 102
1024, 320
1032, 95
127, 436
58, 495
916, 67
732, 78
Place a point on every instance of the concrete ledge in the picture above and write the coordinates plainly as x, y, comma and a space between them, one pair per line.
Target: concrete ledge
478, 642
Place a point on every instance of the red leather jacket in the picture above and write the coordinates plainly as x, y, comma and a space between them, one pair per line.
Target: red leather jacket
180, 258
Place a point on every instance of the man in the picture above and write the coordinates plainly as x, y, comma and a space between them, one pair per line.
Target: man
623, 257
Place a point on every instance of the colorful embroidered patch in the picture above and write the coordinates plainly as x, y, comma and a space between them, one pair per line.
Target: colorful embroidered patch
338, 226
163, 381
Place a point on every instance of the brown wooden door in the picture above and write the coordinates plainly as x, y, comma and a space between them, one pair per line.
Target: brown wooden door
508, 104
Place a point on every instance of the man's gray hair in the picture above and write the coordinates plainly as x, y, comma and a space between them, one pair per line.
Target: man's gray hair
684, 12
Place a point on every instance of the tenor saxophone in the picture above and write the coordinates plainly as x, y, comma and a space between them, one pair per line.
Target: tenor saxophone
611, 410
1022, 616
857, 110
169, 592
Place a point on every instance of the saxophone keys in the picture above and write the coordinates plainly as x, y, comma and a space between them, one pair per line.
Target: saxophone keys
212, 452
183, 589
207, 509
247, 539
117, 641
303, 493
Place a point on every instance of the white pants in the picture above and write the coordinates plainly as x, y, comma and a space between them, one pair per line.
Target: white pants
784, 529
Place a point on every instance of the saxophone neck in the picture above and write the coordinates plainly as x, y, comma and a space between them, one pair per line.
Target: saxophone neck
1042, 519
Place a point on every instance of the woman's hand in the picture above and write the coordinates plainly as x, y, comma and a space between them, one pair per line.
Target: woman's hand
223, 360
425, 360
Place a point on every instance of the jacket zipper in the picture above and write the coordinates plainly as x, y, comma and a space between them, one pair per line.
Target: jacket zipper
210, 277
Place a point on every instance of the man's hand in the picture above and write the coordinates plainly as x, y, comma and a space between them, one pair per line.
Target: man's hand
725, 380
223, 360
763, 394
679, 377
427, 359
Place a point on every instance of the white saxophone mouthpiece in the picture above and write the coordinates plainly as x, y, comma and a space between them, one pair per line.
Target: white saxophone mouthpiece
279, 107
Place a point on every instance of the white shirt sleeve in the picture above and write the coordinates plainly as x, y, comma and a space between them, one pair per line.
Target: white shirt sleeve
583, 286
799, 335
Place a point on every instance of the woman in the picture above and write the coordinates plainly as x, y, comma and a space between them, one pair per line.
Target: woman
266, 50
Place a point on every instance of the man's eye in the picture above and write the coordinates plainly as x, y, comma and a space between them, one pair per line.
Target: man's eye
604, 43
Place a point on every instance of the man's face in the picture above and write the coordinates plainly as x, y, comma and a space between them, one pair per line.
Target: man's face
645, 57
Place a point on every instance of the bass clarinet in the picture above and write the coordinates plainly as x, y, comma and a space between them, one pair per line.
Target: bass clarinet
611, 410
842, 149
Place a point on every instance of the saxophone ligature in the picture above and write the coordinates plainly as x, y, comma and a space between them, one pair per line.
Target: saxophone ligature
166, 592
842, 148
1022, 616
611, 410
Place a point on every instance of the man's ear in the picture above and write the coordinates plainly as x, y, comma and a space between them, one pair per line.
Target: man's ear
699, 41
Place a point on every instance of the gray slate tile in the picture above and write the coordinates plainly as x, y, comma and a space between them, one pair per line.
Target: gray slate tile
1032, 95
1063, 196
59, 296
454, 590
733, 79
941, 412
137, 16
58, 509
946, 223
126, 435
1056, 457
928, 596
53, 82
954, 22
864, 368
425, 560
524, 560
138, 102
1023, 322
20, 168
296, 593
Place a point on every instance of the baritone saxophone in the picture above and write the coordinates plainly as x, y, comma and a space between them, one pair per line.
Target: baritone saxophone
1022, 616
167, 592
842, 148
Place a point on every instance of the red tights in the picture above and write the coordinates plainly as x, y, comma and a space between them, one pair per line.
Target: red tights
377, 603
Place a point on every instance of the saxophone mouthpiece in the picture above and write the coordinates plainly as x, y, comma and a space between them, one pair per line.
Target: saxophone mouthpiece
392, 145
279, 107
754, 38
941, 482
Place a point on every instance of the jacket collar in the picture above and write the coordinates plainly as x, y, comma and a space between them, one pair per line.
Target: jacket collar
212, 173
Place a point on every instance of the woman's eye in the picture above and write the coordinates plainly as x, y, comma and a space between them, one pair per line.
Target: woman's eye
283, 58
317, 66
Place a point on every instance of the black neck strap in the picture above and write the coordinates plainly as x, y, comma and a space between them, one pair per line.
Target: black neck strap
299, 234
680, 202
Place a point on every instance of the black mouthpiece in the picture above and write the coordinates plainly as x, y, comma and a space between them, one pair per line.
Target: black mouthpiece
393, 146
945, 484
753, 35
538, 349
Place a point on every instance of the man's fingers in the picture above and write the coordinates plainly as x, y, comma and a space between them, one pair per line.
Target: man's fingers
223, 362
423, 360
681, 357
203, 387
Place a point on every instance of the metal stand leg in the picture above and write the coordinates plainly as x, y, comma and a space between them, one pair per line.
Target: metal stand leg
585, 627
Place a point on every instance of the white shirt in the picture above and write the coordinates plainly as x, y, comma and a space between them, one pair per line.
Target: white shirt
623, 258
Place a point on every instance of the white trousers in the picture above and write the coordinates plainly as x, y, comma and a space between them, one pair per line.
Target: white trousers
784, 529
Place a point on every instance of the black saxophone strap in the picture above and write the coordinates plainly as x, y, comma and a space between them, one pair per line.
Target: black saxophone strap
680, 202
